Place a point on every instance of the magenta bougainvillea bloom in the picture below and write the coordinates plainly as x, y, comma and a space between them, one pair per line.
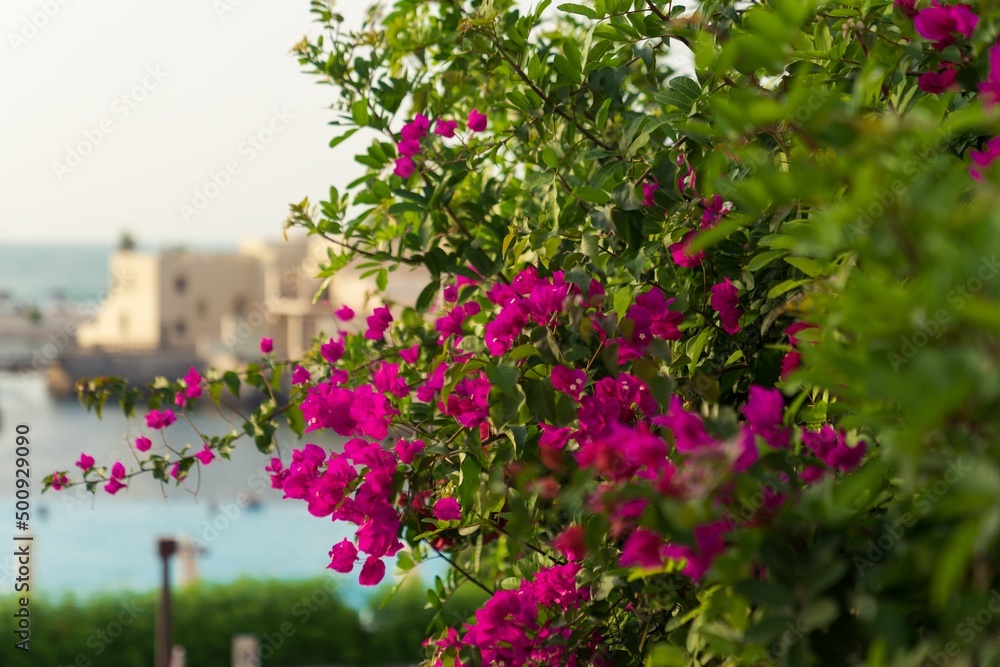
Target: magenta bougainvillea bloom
206, 455
649, 193
468, 403
570, 381
378, 322
715, 208
343, 556
726, 302
908, 7
333, 350
404, 167
345, 313
681, 254
267, 345
572, 543
984, 159
372, 572
764, 414
939, 24
192, 384
990, 88
416, 129
410, 354
643, 548
477, 121
142, 443
157, 419
406, 450
60, 480
408, 147
445, 128
114, 486
688, 429
387, 380
118, 470
936, 83
447, 509
830, 446
300, 375
85, 463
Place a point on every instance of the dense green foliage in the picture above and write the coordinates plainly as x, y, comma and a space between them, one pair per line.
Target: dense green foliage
845, 203
297, 622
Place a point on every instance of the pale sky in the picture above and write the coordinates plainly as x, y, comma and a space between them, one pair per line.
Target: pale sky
206, 84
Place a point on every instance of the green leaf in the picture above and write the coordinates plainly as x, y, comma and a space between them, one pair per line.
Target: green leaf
764, 258
581, 10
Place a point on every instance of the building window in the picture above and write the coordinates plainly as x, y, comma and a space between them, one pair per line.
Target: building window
240, 306
202, 309
180, 328
180, 284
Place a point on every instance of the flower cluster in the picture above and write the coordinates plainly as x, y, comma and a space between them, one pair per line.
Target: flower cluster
524, 627
413, 133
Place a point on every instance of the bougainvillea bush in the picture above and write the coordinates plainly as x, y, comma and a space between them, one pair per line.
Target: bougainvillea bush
706, 368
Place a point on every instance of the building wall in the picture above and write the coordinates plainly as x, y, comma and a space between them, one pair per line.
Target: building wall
129, 317
198, 290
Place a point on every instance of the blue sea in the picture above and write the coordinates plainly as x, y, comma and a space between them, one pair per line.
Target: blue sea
37, 273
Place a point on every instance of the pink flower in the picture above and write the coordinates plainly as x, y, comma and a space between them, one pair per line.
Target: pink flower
939, 24
406, 450
681, 254
445, 128
763, 411
447, 509
59, 480
332, 350
408, 147
991, 87
192, 384
570, 381
343, 555
908, 7
477, 121
344, 313
649, 193
85, 463
113, 486
715, 208
642, 548
984, 158
688, 429
267, 345
378, 322
387, 380
157, 420
372, 572
572, 543
404, 167
300, 375
726, 301
142, 443
416, 128
206, 455
468, 403
175, 470
117, 470
830, 446
936, 83
789, 363
410, 355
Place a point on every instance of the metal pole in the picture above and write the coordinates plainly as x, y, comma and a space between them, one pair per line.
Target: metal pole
167, 547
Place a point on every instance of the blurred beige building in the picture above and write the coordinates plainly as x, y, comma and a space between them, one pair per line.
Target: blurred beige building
217, 306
